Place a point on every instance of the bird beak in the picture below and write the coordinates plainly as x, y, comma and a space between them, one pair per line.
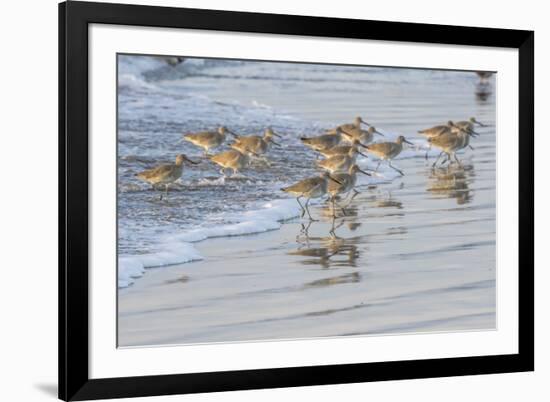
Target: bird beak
364, 122
334, 180
480, 124
345, 133
379, 133
275, 134
190, 161
408, 142
232, 133
361, 153
362, 171
274, 143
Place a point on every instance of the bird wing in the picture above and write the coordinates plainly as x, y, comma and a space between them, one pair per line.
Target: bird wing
302, 186
203, 135
382, 147
161, 172
444, 140
226, 156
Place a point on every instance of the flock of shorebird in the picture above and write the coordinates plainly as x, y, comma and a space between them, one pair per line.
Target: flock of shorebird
339, 147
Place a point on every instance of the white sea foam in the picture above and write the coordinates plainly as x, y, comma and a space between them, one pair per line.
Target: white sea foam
178, 248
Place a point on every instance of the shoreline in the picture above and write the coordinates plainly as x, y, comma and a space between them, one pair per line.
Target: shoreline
244, 287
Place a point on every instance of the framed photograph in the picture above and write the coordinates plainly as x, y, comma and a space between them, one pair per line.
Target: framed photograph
257, 201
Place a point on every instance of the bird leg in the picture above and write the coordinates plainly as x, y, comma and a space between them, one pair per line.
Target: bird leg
437, 160
377, 166
472, 148
394, 168
457, 161
307, 209
301, 207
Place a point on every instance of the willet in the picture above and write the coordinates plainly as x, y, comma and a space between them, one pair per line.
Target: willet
208, 139
484, 75
468, 125
357, 133
255, 145
323, 142
340, 149
165, 174
449, 128
450, 143
347, 184
230, 159
388, 150
437, 130
340, 163
313, 187
173, 60
349, 126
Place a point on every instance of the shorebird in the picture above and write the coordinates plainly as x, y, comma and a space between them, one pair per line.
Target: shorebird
437, 130
323, 142
165, 174
468, 125
173, 60
254, 144
388, 151
340, 149
208, 139
349, 126
484, 75
449, 144
364, 136
230, 159
347, 184
450, 128
313, 187
340, 163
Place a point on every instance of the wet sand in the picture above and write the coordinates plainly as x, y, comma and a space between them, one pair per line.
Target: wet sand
377, 273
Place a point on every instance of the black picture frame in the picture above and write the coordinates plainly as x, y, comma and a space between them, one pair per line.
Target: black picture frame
74, 381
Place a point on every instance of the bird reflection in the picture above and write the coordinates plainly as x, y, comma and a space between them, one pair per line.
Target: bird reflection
483, 91
387, 201
483, 87
328, 251
452, 182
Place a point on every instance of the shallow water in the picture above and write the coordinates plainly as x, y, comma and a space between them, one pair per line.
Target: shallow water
413, 253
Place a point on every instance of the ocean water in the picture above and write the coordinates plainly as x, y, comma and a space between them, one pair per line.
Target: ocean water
426, 240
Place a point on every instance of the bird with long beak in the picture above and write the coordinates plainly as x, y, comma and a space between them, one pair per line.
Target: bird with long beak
323, 142
449, 144
341, 163
386, 151
450, 128
165, 174
347, 183
348, 126
364, 136
256, 145
313, 187
341, 149
231, 159
208, 139
469, 124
